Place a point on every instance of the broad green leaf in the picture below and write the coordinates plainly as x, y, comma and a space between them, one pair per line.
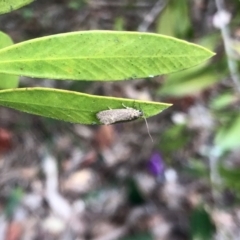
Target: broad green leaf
188, 82
174, 20
194, 79
209, 41
6, 80
101, 55
228, 137
5, 40
10, 5
223, 100
71, 106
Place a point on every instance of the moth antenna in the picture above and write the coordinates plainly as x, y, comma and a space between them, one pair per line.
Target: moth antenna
147, 128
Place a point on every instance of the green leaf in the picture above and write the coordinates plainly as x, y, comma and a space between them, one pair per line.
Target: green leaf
175, 12
230, 177
223, 100
174, 138
10, 5
134, 194
188, 82
101, 55
202, 227
6, 80
197, 169
71, 106
13, 201
5, 40
228, 137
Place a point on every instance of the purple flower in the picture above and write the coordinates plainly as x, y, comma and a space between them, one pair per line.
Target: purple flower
155, 164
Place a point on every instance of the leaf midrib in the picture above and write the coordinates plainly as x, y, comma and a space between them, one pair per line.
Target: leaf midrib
90, 58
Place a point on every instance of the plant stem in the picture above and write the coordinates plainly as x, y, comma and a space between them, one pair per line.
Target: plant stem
232, 64
151, 16
214, 158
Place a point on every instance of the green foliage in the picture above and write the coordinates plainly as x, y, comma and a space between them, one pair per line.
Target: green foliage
223, 101
13, 201
27, 13
202, 227
119, 24
71, 106
197, 168
6, 80
175, 21
188, 82
227, 137
92, 55
230, 178
76, 4
196, 79
135, 197
170, 140
140, 236
101, 55
10, 5
227, 129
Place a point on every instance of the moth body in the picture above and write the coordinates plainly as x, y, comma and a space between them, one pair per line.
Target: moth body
118, 115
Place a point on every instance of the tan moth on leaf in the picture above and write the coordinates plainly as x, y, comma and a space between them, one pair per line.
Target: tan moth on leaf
111, 116
118, 115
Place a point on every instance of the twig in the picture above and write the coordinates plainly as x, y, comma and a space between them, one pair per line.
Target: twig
58, 204
215, 153
214, 157
151, 16
232, 64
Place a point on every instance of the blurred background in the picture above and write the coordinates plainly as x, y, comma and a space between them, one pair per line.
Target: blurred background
73, 182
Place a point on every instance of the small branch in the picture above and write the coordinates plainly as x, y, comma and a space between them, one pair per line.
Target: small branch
151, 16
214, 158
215, 153
232, 64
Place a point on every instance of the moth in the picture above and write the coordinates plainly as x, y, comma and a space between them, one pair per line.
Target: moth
111, 116
119, 115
